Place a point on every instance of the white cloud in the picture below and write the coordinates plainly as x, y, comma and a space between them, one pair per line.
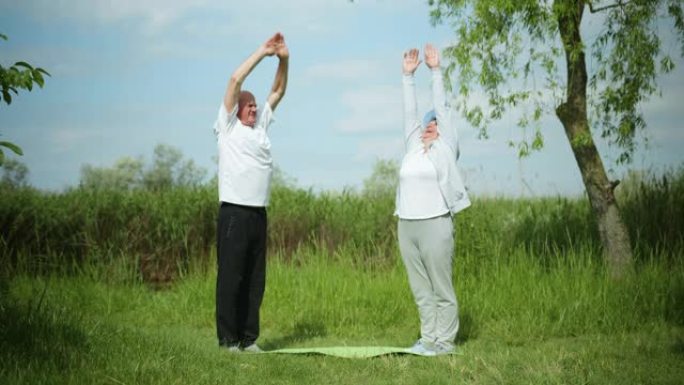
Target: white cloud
309, 18
157, 16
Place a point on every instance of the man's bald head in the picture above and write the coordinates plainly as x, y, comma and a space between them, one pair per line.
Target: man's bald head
247, 108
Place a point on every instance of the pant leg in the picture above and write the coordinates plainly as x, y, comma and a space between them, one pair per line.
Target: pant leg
255, 284
408, 233
232, 243
437, 248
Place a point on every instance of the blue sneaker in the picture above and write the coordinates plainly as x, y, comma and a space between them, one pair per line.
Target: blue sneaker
422, 350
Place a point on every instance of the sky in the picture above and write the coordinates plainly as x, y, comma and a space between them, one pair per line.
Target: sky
128, 75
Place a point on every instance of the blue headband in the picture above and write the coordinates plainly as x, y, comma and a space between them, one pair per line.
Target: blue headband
429, 116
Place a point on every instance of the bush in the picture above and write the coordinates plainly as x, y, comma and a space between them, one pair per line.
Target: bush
161, 233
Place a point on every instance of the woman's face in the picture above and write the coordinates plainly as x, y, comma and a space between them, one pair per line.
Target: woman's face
431, 132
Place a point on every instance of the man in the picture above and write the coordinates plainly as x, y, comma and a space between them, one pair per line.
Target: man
244, 177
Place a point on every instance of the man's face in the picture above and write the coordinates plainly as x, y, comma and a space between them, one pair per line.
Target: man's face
247, 108
247, 113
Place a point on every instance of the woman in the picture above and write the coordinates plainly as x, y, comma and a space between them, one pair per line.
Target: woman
430, 191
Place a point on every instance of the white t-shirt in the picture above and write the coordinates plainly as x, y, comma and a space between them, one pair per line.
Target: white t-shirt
245, 163
420, 197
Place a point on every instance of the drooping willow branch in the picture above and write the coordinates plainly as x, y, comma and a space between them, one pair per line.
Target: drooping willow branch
619, 3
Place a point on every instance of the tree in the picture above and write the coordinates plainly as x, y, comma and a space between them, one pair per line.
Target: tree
19, 76
280, 179
507, 43
126, 174
384, 179
168, 170
14, 174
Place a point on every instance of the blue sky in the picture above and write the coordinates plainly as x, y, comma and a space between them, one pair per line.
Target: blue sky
130, 74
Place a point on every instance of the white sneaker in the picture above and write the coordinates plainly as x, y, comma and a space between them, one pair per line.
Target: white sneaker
231, 348
420, 349
253, 348
444, 348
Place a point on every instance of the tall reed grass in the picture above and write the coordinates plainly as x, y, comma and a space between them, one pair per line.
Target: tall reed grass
160, 234
535, 305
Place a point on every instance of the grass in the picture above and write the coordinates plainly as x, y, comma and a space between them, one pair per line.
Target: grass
163, 232
522, 321
117, 287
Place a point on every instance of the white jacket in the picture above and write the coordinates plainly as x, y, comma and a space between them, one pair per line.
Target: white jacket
443, 152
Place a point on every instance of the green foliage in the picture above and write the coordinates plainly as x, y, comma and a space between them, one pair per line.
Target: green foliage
383, 180
521, 323
536, 304
504, 45
655, 201
501, 43
627, 52
278, 179
14, 174
161, 232
168, 170
126, 174
19, 76
16, 149
332, 222
157, 231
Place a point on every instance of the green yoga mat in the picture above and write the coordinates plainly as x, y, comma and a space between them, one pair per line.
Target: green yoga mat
348, 351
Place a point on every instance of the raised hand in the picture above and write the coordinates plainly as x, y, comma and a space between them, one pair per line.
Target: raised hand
411, 61
431, 56
282, 51
271, 46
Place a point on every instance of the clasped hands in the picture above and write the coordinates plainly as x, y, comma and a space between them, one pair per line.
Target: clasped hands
276, 46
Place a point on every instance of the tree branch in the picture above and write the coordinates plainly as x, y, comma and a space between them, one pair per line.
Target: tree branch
619, 3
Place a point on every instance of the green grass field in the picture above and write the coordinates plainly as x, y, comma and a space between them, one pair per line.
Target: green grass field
521, 323
118, 288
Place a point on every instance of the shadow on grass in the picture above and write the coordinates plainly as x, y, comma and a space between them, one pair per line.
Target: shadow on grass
674, 311
35, 337
302, 331
467, 328
678, 347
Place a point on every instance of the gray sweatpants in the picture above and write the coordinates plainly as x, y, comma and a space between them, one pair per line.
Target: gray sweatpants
427, 247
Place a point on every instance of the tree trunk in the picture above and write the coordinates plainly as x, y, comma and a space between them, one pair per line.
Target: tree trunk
572, 113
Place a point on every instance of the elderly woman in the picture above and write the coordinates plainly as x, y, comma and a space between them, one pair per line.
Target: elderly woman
430, 191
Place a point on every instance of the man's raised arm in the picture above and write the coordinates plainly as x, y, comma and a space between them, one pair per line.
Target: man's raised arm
238, 77
280, 81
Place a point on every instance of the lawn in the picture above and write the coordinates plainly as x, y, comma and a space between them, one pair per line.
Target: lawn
522, 322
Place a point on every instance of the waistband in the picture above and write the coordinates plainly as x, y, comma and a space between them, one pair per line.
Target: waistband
258, 209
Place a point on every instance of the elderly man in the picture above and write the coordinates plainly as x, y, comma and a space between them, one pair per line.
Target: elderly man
244, 177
